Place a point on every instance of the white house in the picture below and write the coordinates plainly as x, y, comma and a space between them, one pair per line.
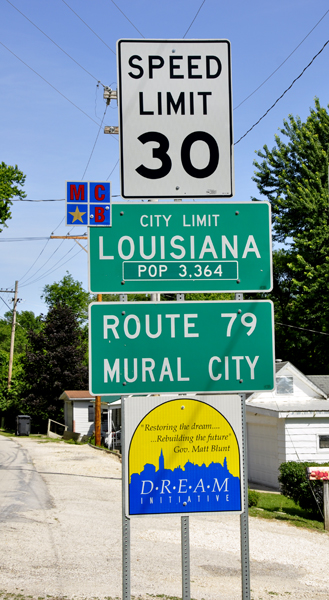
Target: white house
290, 423
79, 412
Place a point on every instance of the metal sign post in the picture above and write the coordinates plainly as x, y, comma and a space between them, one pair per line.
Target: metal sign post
126, 584
244, 518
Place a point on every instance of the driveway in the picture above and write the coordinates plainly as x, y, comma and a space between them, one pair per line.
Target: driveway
60, 535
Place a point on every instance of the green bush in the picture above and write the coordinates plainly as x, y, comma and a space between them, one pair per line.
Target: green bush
253, 498
295, 485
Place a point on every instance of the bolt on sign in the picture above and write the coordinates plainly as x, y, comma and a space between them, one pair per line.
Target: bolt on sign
88, 203
175, 118
185, 247
180, 347
182, 455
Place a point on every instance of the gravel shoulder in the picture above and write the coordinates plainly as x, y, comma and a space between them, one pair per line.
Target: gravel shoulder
69, 544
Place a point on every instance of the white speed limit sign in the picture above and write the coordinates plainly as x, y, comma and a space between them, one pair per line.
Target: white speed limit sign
175, 118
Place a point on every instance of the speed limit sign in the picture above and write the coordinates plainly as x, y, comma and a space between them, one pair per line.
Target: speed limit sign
175, 119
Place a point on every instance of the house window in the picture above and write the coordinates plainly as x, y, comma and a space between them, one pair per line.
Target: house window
91, 413
323, 441
284, 385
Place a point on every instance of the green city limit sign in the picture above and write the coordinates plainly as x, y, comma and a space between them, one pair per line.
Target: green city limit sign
182, 247
181, 347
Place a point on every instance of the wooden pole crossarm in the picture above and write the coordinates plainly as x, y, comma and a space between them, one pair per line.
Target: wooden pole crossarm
68, 237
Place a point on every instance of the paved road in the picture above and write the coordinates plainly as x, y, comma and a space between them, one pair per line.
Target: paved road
60, 535
22, 488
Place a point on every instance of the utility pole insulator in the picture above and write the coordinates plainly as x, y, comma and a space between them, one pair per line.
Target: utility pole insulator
111, 129
109, 94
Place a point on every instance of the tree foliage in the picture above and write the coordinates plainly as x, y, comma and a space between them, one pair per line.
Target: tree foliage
294, 178
10, 180
54, 362
68, 292
26, 321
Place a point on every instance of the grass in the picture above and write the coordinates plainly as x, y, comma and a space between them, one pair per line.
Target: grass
12, 433
280, 508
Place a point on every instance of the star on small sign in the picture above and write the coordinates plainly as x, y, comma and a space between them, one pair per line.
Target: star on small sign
77, 215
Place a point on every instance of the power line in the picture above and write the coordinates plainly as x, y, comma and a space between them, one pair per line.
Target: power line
301, 328
34, 261
131, 23
188, 29
51, 85
86, 24
47, 261
285, 60
111, 174
23, 239
42, 275
100, 127
5, 303
52, 270
287, 90
43, 200
53, 42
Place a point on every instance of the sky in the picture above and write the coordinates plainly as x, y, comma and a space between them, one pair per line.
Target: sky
55, 58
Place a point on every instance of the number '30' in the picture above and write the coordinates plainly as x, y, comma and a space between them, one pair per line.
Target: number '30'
161, 152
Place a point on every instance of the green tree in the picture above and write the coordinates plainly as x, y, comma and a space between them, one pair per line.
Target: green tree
10, 179
54, 362
68, 292
26, 321
10, 399
294, 178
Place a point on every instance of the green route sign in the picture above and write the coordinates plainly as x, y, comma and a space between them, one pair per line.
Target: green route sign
180, 347
182, 247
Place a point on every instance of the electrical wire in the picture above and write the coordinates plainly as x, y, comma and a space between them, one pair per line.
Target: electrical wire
23, 239
48, 259
188, 29
287, 90
21, 278
50, 84
111, 174
52, 270
301, 328
27, 282
99, 130
43, 200
285, 60
131, 23
86, 24
53, 42
5, 303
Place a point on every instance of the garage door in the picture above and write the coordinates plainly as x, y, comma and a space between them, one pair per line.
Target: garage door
263, 454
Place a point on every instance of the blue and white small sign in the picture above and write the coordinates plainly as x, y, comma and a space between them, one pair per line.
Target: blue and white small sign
88, 203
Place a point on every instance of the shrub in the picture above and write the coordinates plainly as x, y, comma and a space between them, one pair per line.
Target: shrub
295, 485
253, 498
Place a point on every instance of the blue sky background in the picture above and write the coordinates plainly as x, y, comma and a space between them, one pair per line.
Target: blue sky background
51, 140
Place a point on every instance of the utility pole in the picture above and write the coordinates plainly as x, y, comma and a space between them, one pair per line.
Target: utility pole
98, 405
12, 339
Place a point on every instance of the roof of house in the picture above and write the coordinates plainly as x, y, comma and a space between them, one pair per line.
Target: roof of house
76, 395
70, 395
311, 405
322, 381
279, 364
276, 403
